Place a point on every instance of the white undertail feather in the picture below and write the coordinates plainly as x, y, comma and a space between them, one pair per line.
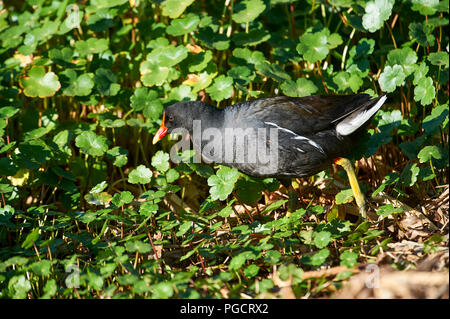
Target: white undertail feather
354, 121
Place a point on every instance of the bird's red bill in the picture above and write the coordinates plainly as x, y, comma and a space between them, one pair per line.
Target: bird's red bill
161, 131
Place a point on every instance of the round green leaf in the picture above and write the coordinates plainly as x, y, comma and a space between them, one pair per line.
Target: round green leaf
302, 87
37, 83
377, 12
140, 175
424, 91
316, 46
391, 78
78, 85
322, 239
147, 100
348, 259
106, 82
247, 10
222, 184
425, 7
91, 143
421, 33
160, 161
174, 8
221, 89
152, 74
184, 25
439, 58
428, 153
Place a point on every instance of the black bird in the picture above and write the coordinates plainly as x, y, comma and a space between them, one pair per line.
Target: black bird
282, 137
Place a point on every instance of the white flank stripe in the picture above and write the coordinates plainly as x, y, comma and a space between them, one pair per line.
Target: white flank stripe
300, 150
298, 137
354, 121
280, 128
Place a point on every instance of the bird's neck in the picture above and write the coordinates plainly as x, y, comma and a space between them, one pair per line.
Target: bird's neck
207, 117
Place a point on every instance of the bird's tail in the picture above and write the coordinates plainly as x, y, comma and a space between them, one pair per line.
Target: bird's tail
355, 120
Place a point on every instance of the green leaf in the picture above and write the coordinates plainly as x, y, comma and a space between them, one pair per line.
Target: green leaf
91, 143
160, 161
106, 82
213, 40
349, 259
167, 56
181, 93
377, 12
91, 46
253, 37
174, 8
222, 184
99, 187
172, 175
425, 7
273, 71
249, 56
50, 289
302, 87
19, 286
317, 259
358, 57
7, 112
205, 79
247, 10
439, 58
37, 83
272, 256
249, 190
321, 239
237, 261
437, 119
405, 57
41, 268
420, 72
118, 155
345, 81
120, 199
424, 91
184, 25
251, 271
421, 33
221, 89
240, 74
153, 74
344, 196
428, 153
316, 46
198, 62
140, 175
391, 78
409, 175
274, 206
147, 100
387, 210
31, 238
138, 246
77, 85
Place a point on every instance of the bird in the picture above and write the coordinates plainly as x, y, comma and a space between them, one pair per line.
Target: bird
282, 137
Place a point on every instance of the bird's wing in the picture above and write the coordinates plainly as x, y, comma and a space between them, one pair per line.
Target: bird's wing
305, 115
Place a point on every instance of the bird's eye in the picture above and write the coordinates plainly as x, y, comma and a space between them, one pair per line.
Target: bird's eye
171, 118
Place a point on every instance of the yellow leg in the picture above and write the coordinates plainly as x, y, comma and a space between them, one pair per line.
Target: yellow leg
359, 196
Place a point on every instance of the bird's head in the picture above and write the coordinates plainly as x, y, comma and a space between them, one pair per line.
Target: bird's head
181, 115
